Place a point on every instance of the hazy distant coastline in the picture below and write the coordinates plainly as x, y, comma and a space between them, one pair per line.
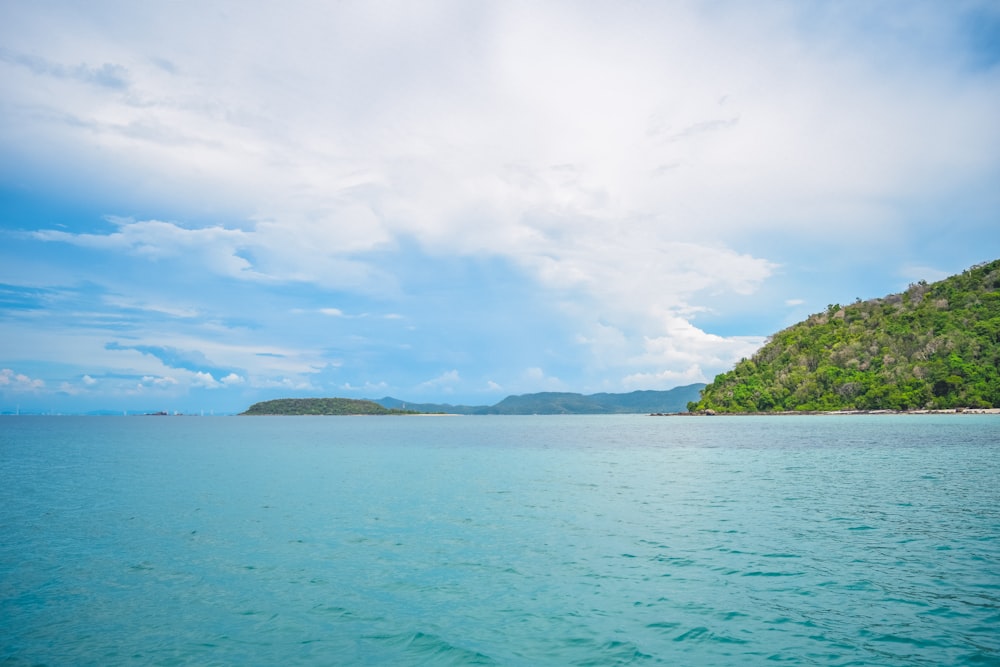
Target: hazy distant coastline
544, 403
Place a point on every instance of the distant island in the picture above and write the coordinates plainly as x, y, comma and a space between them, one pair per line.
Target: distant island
321, 406
544, 403
935, 346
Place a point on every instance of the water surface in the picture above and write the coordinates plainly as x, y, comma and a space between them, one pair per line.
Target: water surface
584, 540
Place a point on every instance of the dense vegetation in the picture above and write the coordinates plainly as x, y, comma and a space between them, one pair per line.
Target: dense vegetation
933, 346
566, 403
321, 406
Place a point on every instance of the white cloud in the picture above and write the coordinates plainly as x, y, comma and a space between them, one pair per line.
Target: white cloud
309, 252
172, 310
623, 158
367, 387
680, 352
283, 383
215, 248
559, 189
444, 381
158, 381
687, 352
76, 388
71, 389
664, 379
233, 379
337, 312
535, 379
9, 380
203, 379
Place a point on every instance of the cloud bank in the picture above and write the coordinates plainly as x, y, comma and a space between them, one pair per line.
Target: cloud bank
596, 186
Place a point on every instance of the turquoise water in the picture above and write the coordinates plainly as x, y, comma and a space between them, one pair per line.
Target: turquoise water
597, 540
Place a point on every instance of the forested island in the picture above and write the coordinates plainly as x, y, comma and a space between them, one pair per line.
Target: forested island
322, 406
934, 346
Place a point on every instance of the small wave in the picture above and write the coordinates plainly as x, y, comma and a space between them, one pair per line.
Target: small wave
663, 625
612, 652
734, 615
902, 639
431, 649
703, 634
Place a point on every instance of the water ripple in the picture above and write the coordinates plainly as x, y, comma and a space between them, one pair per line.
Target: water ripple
506, 541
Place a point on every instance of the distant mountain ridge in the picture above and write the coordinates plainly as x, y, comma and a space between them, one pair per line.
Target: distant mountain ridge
933, 346
566, 403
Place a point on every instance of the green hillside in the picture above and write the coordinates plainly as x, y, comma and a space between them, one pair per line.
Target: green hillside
933, 346
320, 406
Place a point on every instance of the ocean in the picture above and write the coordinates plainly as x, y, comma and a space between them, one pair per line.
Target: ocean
571, 540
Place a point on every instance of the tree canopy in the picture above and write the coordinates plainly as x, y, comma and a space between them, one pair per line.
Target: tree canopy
933, 346
321, 406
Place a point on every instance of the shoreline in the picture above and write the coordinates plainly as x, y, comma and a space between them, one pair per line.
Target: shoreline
792, 413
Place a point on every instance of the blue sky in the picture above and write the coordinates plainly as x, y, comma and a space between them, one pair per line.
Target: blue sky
203, 205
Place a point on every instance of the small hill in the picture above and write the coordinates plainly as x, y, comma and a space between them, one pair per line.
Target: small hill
321, 406
932, 346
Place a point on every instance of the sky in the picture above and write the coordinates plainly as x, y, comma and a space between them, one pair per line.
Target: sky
208, 204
